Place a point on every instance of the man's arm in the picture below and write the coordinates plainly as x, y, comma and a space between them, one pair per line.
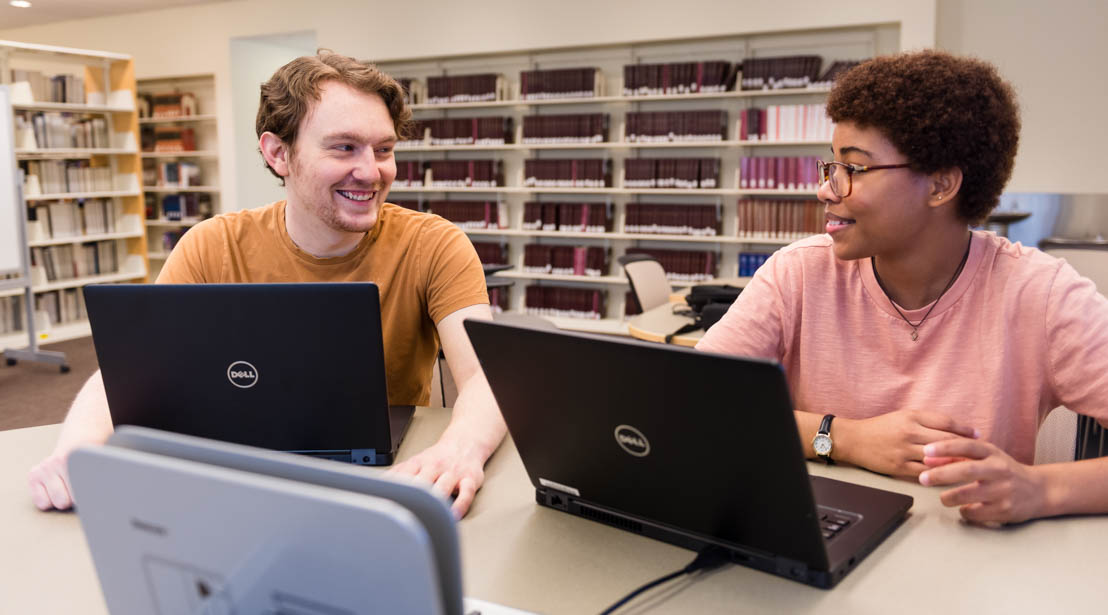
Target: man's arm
455, 464
994, 488
88, 422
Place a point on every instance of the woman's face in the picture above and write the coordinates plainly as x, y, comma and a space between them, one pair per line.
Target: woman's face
885, 208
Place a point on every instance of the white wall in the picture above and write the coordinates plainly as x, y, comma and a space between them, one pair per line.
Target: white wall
1054, 54
196, 39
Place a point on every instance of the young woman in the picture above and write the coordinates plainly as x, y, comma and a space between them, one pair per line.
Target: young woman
914, 346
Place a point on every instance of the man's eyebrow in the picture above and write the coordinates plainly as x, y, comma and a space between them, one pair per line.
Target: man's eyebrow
357, 137
850, 149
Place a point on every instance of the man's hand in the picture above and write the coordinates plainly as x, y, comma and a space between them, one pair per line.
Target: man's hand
452, 469
994, 487
49, 483
893, 443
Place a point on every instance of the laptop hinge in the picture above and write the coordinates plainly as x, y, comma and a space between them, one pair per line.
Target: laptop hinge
791, 568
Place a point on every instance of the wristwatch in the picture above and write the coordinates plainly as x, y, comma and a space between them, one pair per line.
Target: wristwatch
822, 442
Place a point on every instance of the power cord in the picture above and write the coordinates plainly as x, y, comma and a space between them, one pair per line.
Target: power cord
711, 557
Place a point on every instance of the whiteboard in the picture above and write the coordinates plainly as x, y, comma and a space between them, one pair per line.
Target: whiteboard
11, 209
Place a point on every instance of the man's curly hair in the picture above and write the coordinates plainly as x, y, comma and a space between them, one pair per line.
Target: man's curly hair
289, 94
940, 111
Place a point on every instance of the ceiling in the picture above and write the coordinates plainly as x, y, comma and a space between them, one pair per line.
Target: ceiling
49, 11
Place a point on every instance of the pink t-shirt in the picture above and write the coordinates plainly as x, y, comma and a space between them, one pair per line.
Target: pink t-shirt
1019, 333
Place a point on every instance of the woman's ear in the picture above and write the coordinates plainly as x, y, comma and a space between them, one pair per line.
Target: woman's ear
945, 185
275, 152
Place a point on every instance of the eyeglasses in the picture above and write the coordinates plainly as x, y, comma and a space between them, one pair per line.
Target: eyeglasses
841, 174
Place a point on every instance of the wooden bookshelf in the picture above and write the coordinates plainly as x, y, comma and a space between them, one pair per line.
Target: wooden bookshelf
104, 98
203, 125
849, 43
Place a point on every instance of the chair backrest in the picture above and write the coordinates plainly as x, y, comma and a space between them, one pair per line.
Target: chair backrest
1065, 435
648, 280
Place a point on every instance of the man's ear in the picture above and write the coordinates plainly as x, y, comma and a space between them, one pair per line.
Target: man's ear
276, 153
945, 185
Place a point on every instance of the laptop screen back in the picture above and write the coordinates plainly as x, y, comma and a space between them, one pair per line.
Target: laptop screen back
280, 366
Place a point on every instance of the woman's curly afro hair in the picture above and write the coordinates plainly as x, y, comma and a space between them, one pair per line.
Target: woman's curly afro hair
940, 111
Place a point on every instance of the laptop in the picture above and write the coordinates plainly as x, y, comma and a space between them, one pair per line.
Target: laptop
691, 448
295, 535
290, 367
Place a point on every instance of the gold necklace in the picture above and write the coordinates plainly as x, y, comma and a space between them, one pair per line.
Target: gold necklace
915, 326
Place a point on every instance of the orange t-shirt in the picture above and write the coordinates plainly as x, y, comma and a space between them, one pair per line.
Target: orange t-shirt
425, 267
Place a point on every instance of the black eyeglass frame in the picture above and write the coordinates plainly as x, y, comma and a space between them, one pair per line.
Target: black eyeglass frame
824, 171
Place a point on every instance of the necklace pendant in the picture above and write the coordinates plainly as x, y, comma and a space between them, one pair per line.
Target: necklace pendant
915, 335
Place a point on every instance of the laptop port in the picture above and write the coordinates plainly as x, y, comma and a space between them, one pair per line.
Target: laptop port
556, 500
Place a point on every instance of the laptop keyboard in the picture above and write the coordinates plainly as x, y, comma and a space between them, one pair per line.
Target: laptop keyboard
832, 522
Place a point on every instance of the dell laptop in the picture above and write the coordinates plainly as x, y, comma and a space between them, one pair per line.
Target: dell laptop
691, 448
179, 524
290, 367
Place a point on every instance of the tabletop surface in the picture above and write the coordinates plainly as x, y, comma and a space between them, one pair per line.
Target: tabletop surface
519, 554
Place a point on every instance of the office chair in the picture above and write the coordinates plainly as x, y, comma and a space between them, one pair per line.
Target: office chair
649, 284
1066, 435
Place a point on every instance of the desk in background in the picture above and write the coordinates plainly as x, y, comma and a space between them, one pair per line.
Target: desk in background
521, 555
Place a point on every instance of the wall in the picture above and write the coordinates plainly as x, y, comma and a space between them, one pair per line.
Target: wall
196, 39
1053, 53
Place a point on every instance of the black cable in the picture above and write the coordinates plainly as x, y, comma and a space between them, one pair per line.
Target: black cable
709, 558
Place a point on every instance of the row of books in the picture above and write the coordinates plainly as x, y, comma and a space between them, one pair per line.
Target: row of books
567, 217
780, 218
683, 265
465, 88
590, 261
471, 214
171, 174
567, 173
11, 315
560, 83
461, 131
167, 104
749, 262
779, 173
61, 176
491, 253
499, 299
167, 139
564, 302
67, 262
667, 126
52, 88
671, 173
52, 130
786, 123
570, 128
661, 219
66, 218
678, 78
800, 71
62, 306
449, 174
179, 207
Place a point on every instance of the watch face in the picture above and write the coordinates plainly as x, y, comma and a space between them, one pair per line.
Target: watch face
822, 444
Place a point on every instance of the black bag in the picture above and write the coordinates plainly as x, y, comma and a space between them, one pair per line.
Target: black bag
707, 304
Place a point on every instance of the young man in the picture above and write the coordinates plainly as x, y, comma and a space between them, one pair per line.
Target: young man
939, 349
327, 126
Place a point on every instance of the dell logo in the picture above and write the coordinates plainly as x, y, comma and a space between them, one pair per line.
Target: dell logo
632, 441
242, 374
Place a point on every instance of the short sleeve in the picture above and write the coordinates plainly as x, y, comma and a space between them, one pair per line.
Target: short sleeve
193, 260
1077, 334
754, 325
455, 278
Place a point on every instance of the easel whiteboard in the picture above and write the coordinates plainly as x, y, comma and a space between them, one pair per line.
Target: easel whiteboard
11, 214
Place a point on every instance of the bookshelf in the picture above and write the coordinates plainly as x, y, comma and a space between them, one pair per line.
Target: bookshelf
77, 142
180, 158
510, 196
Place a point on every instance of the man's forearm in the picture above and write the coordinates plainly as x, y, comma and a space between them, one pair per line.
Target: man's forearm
88, 419
476, 418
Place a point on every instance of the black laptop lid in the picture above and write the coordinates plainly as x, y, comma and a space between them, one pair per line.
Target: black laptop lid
702, 442
281, 366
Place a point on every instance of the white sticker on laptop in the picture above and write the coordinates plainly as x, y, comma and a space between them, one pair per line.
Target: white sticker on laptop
560, 487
